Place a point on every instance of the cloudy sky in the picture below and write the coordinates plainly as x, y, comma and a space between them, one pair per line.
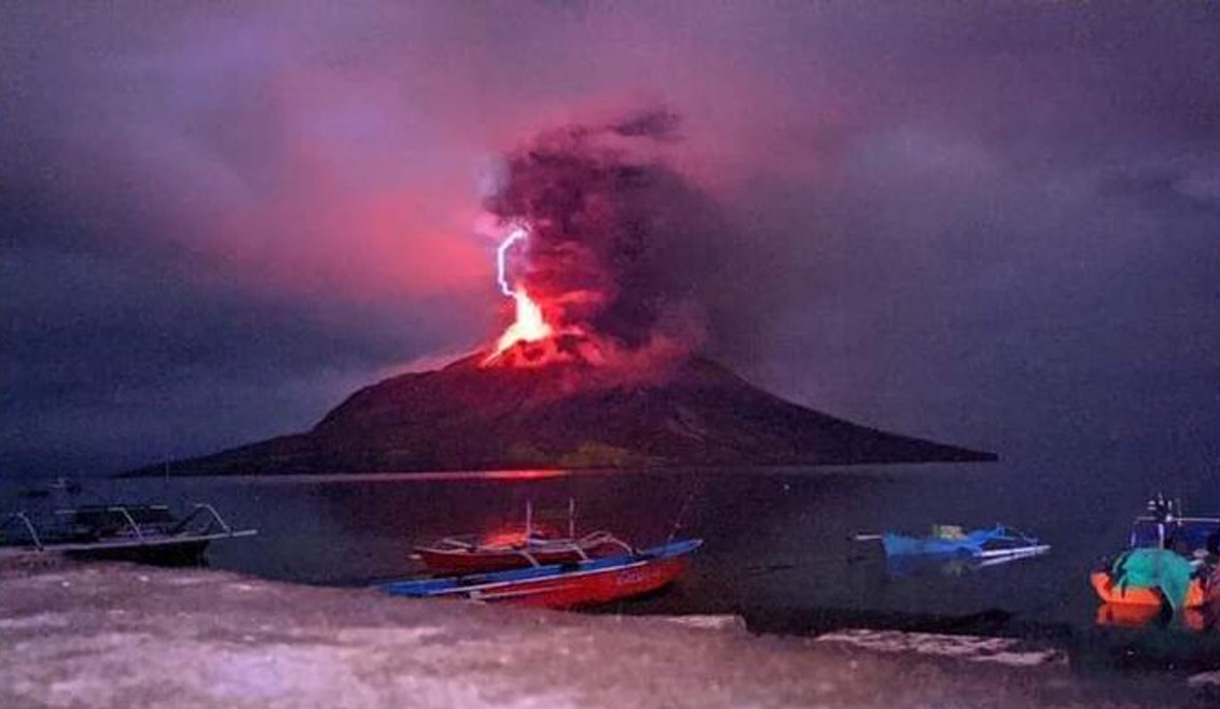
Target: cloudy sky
993, 224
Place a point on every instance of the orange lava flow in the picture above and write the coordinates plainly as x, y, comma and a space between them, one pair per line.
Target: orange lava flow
529, 325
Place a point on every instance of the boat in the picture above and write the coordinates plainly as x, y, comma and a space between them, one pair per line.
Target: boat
534, 545
950, 540
1150, 577
148, 533
561, 586
1171, 559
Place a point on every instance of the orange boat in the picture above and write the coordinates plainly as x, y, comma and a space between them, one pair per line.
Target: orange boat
1171, 559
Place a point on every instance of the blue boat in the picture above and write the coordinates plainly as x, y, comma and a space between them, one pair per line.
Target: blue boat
946, 540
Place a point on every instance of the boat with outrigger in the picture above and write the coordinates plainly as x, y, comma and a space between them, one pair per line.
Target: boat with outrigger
534, 544
538, 566
1172, 562
564, 586
990, 544
142, 532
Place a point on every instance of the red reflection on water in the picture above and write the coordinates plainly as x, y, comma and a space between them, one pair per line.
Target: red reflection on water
534, 474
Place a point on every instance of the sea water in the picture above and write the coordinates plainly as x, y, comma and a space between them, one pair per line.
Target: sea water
778, 548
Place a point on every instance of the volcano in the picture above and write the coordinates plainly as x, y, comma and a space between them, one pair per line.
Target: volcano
604, 251
467, 416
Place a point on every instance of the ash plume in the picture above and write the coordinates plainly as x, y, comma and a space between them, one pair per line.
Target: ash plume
614, 252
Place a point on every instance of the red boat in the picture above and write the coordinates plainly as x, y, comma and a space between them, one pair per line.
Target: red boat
535, 545
562, 586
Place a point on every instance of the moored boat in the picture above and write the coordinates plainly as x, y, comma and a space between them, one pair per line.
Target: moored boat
996, 542
562, 586
148, 533
1171, 559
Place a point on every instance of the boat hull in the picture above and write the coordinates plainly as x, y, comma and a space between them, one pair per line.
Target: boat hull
175, 553
1109, 592
1125, 615
595, 589
157, 550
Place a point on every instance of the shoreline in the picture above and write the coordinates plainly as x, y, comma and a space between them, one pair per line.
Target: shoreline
124, 635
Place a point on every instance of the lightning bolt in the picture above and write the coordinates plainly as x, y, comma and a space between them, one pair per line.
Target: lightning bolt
517, 234
529, 325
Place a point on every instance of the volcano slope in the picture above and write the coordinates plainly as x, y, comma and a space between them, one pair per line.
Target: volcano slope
571, 415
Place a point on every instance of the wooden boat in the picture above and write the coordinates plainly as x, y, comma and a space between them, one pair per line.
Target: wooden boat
133, 532
1171, 558
533, 545
562, 586
948, 540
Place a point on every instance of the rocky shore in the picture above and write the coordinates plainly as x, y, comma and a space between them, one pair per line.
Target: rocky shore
114, 635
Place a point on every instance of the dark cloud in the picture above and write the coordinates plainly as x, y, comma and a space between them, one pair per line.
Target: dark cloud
988, 223
617, 237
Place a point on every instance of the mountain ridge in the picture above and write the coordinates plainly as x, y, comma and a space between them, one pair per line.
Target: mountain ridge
691, 412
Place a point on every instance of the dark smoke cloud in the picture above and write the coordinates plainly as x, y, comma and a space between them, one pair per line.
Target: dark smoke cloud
619, 239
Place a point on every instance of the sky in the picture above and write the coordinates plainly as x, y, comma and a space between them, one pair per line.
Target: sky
991, 224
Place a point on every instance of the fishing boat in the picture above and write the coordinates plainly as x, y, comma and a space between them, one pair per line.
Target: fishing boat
562, 586
1171, 559
951, 540
1151, 577
148, 533
533, 545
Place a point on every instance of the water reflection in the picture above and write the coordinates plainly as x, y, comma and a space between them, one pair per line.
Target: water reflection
777, 540
954, 565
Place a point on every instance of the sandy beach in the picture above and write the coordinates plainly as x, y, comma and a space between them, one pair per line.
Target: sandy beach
116, 635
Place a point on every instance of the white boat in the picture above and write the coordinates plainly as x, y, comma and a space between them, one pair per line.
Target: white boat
137, 532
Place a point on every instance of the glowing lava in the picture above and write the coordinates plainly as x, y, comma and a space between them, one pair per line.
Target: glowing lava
529, 325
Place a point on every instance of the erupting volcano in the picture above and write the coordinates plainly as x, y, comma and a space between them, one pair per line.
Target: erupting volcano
529, 325
603, 253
